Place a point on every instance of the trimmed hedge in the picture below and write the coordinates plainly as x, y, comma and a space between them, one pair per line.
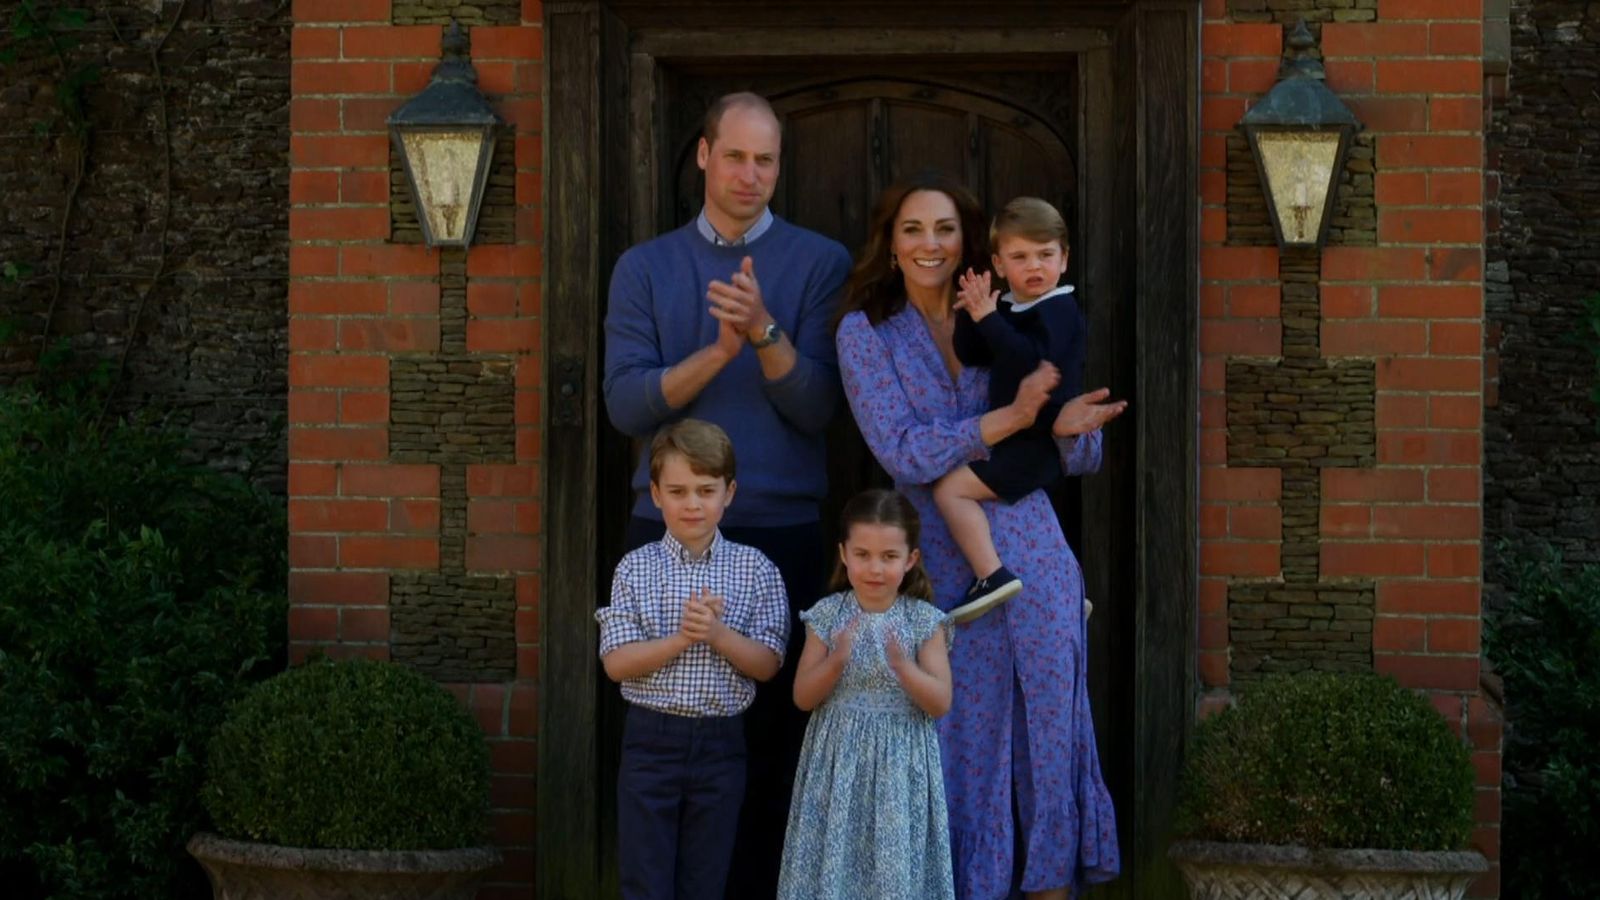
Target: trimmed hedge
351, 755
139, 595
1545, 644
1328, 760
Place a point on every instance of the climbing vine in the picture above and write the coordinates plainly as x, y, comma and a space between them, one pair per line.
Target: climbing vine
51, 31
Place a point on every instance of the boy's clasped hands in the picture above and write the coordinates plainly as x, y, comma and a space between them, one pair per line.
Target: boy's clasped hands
702, 617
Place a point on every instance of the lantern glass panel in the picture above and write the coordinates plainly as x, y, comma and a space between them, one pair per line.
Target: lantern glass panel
1299, 167
444, 168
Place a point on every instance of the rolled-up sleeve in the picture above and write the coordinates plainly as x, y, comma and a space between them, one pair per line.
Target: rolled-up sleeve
769, 624
621, 621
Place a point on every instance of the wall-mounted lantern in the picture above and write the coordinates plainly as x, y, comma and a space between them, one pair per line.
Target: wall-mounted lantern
445, 138
1300, 133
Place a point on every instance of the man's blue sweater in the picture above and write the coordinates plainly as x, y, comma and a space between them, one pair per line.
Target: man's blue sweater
658, 314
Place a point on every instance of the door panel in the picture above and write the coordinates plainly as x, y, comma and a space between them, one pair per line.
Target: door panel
830, 203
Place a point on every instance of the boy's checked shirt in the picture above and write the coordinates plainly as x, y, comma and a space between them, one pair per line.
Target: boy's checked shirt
647, 596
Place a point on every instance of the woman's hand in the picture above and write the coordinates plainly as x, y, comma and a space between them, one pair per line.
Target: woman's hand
1033, 393
975, 296
1085, 413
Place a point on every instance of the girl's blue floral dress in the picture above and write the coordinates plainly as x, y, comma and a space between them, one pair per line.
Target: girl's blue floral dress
868, 820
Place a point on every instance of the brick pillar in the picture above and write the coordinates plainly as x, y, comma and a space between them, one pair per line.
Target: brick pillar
415, 382
1397, 295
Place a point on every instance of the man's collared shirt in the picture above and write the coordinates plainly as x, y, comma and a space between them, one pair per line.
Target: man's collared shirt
757, 230
647, 597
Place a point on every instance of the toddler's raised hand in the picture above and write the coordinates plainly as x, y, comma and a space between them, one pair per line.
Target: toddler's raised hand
975, 296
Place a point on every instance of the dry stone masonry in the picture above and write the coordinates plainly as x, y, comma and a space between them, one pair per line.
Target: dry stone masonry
1302, 414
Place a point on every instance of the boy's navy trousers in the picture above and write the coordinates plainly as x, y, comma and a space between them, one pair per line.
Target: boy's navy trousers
679, 789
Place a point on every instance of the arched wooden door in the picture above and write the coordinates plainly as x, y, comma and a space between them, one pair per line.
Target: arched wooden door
846, 136
1091, 103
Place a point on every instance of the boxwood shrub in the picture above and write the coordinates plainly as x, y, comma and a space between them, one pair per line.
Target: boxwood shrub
351, 755
139, 594
1328, 760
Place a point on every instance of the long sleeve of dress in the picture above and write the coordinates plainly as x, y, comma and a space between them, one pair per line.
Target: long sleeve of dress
910, 450
1080, 453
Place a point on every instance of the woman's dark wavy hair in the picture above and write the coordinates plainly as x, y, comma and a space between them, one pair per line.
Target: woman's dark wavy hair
881, 506
879, 289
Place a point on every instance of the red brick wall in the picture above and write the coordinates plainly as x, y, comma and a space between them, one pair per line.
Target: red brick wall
357, 301
1412, 524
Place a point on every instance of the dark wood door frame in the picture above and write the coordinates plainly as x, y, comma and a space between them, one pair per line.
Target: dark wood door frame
1140, 75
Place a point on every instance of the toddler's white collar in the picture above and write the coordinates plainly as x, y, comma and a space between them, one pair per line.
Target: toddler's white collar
1023, 307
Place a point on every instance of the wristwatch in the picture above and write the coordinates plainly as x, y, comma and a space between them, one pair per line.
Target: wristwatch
769, 336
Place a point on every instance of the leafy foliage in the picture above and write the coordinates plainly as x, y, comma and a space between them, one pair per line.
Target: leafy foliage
1545, 644
1329, 760
139, 594
354, 755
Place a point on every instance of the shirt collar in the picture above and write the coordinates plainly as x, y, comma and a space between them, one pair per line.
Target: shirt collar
703, 225
679, 552
1023, 307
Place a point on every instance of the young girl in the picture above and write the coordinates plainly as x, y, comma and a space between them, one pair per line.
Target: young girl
868, 818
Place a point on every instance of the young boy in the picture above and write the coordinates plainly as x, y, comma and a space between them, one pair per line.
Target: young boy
1036, 321
695, 620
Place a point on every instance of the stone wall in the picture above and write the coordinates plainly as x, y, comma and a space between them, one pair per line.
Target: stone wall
169, 254
1542, 475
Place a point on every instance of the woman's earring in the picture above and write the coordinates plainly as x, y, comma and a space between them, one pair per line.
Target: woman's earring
893, 262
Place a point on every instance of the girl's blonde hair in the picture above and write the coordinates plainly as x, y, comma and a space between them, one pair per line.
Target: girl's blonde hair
884, 507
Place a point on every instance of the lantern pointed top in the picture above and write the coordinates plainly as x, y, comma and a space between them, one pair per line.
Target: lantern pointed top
452, 96
1301, 98
455, 44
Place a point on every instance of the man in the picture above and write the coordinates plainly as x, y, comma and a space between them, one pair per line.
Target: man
729, 319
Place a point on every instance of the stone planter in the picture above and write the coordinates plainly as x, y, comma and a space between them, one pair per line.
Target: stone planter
240, 870
1220, 871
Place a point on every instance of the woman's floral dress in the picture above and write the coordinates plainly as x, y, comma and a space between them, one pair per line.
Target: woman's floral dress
1021, 771
868, 820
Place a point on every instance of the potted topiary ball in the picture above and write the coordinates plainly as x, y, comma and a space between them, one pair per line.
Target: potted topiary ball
1327, 786
348, 780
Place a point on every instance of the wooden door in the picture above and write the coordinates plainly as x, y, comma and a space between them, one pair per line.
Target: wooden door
1002, 129
1108, 86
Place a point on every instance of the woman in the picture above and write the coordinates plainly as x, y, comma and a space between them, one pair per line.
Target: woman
1021, 771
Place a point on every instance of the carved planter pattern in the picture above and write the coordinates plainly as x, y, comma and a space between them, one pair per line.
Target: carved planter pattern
240, 870
1220, 871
